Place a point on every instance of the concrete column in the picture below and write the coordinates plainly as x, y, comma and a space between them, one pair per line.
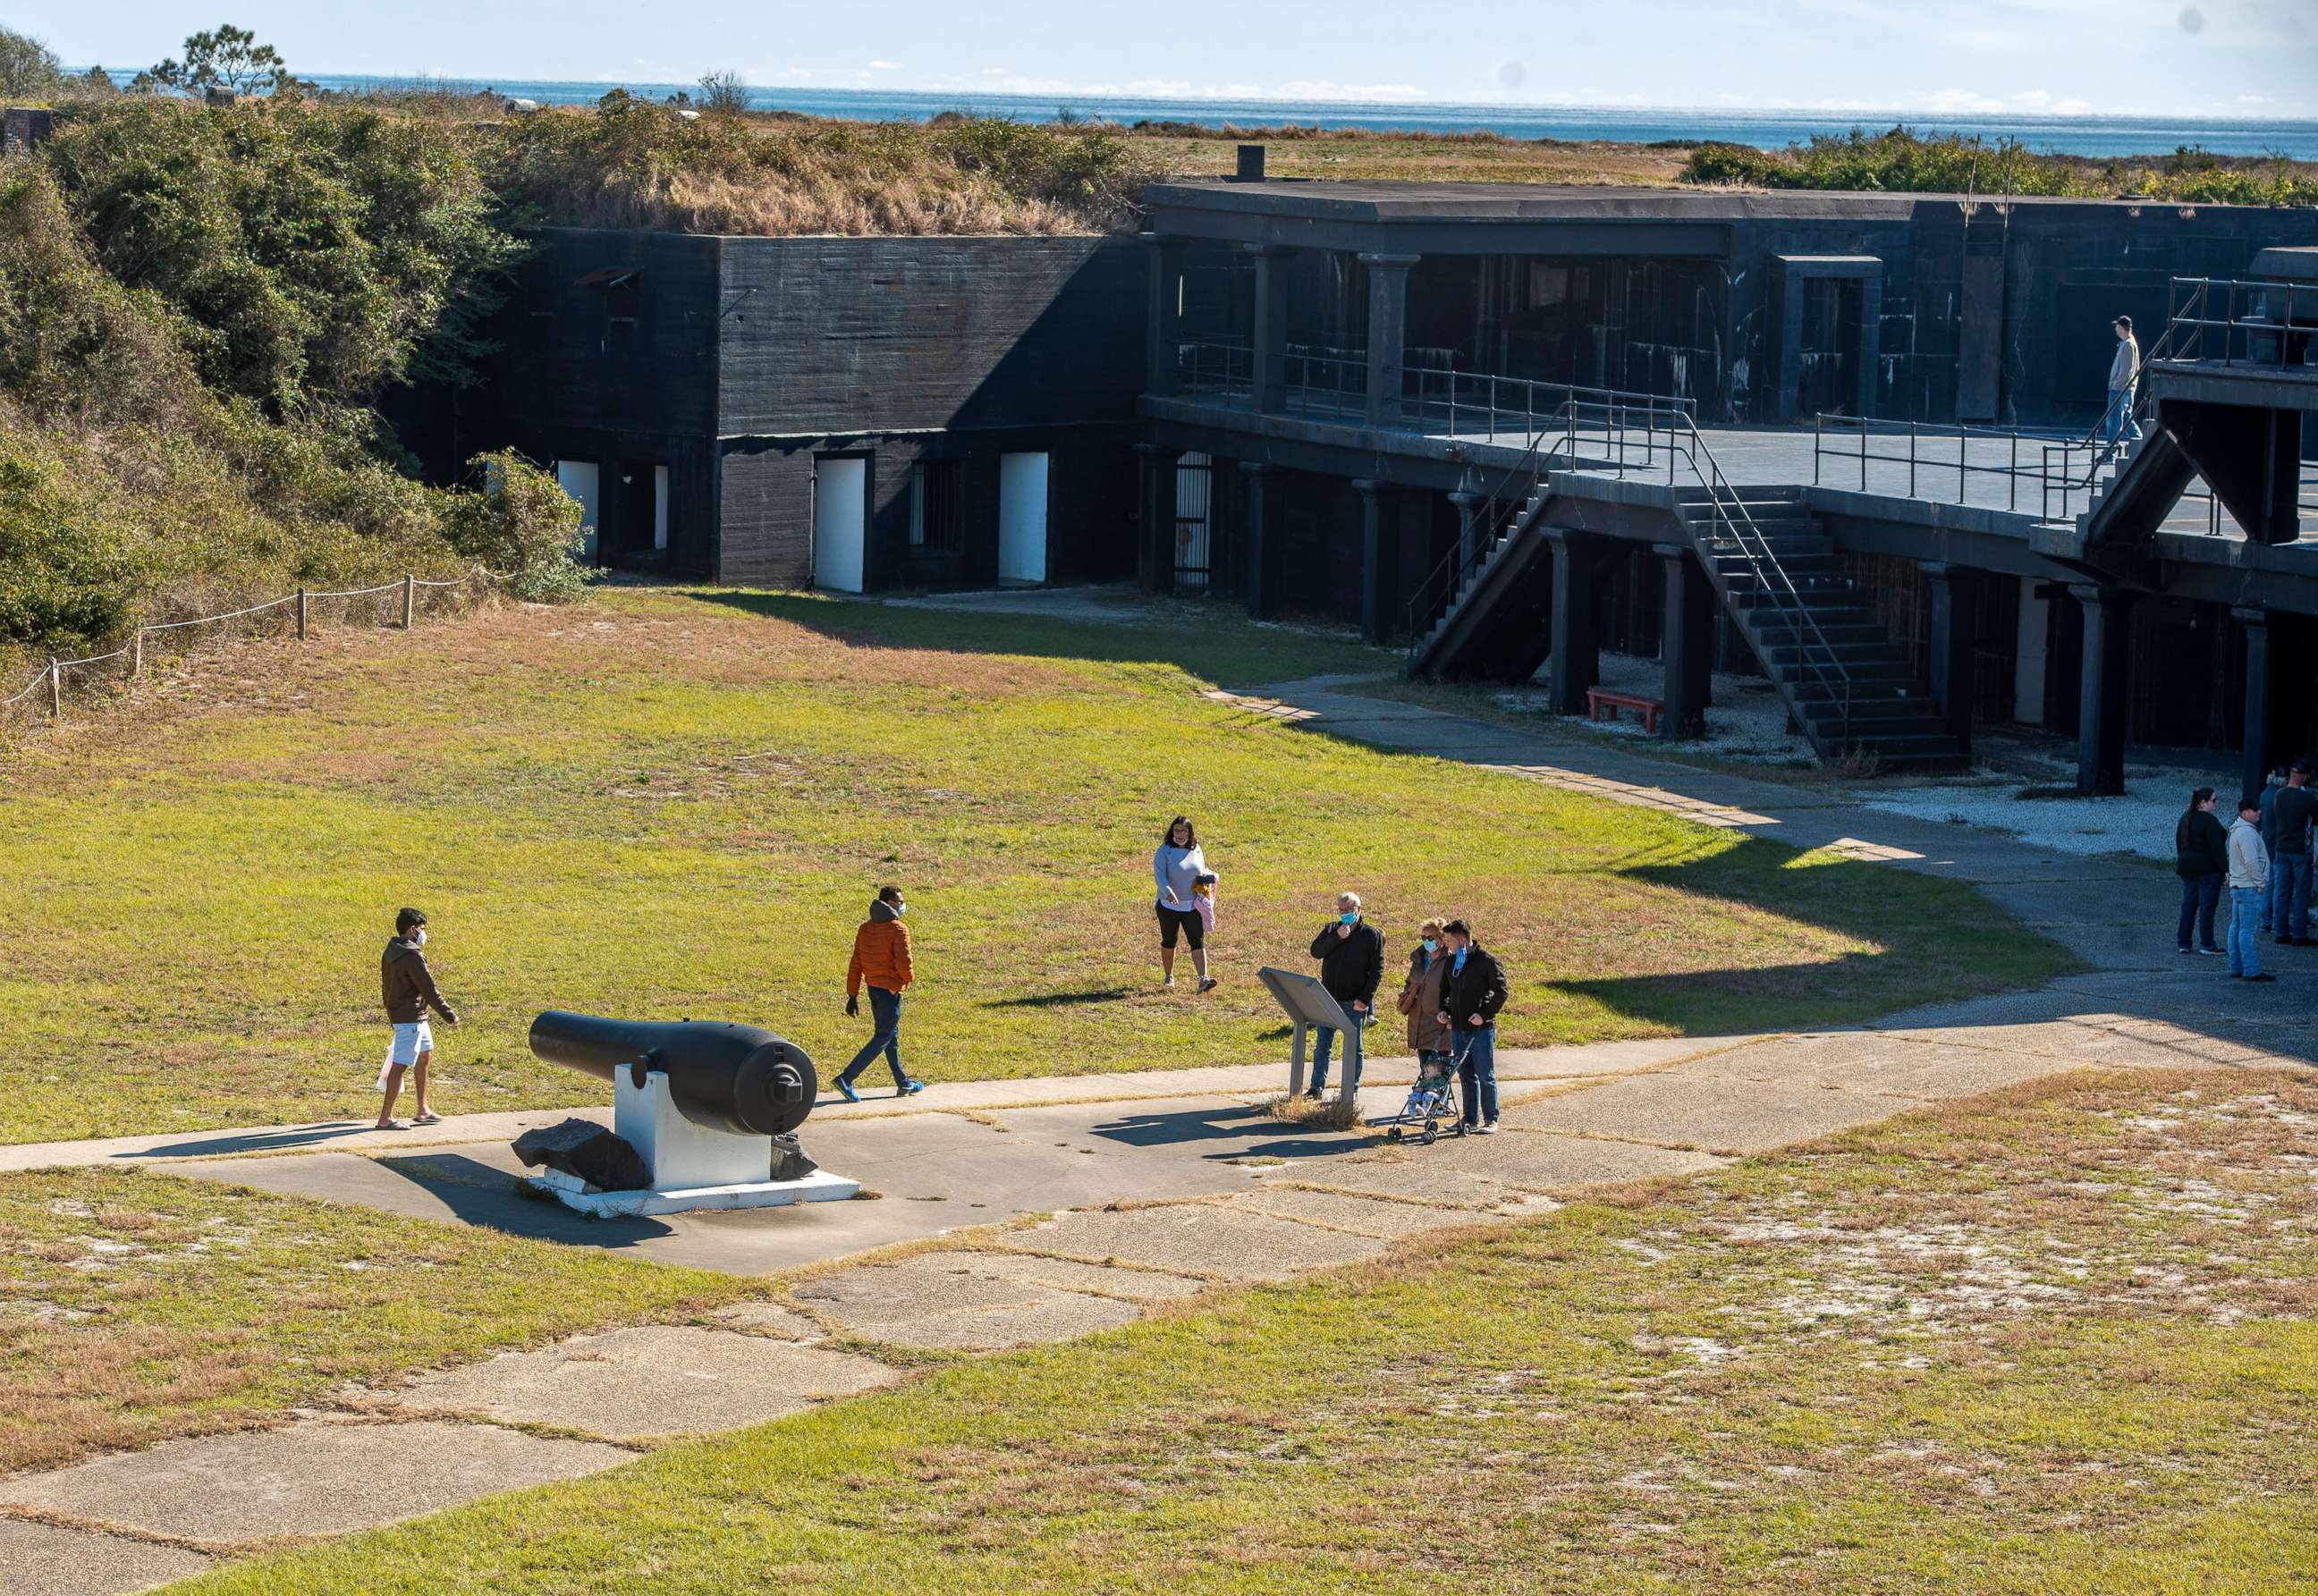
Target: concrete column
2255, 771
1467, 527
1164, 317
1258, 531
1577, 653
1387, 333
1954, 591
2104, 691
1381, 597
1154, 558
1686, 643
1271, 333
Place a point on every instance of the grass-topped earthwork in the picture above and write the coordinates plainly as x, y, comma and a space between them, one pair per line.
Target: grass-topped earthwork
2057, 1339
671, 802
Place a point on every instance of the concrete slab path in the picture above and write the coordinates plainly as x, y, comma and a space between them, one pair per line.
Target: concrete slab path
1040, 1210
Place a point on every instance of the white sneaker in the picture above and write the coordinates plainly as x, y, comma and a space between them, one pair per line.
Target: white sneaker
1168, 982
1490, 1129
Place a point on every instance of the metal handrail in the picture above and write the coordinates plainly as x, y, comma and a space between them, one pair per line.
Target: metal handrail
2281, 331
1759, 557
1449, 572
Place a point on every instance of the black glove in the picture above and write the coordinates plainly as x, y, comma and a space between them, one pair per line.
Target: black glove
450, 1018
852, 1006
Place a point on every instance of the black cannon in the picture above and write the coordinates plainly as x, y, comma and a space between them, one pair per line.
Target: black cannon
722, 1077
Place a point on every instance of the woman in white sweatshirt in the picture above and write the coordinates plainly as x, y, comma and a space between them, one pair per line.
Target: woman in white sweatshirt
1177, 867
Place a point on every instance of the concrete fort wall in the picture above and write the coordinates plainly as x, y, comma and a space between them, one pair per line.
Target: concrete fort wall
940, 351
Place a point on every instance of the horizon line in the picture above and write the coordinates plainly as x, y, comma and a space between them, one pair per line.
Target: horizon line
966, 97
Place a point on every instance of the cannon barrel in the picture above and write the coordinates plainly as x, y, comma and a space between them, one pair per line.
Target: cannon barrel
721, 1076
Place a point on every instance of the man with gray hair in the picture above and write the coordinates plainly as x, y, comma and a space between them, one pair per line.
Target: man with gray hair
1351, 964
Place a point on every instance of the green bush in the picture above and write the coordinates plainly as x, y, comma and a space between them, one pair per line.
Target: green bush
515, 520
313, 252
1904, 162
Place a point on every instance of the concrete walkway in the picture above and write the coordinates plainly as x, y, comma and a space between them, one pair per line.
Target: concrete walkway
1039, 1210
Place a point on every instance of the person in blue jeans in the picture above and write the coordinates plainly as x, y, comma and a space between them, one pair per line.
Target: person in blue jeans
1472, 994
1351, 964
2293, 827
2201, 859
882, 963
2249, 878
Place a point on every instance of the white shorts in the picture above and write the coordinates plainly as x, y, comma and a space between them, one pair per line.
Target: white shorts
411, 1038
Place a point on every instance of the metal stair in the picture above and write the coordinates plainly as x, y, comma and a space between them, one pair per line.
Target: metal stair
1492, 626
1847, 686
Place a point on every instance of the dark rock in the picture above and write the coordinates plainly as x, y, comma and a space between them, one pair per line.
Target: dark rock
586, 1150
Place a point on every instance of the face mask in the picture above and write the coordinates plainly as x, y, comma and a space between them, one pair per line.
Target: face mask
419, 937
1431, 945
900, 910
1349, 917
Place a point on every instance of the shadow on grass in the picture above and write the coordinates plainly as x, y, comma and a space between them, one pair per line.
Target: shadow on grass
1100, 994
1931, 941
1224, 648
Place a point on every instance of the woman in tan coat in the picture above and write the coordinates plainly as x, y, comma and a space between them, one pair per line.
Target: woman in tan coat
1420, 1000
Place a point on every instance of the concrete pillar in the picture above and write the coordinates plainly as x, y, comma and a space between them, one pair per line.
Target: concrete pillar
2255, 771
1387, 333
1269, 340
1163, 317
1685, 643
1469, 533
1954, 591
1577, 653
1380, 599
1154, 560
1260, 534
2103, 689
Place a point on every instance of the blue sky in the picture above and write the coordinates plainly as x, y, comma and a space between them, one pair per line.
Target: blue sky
2226, 57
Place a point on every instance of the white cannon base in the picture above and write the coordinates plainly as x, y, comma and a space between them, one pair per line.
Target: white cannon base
820, 1186
692, 1166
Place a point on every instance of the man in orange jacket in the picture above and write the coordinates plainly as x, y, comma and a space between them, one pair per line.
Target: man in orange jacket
881, 960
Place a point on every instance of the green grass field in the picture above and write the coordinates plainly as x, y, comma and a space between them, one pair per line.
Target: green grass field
668, 802
137, 1306
2055, 1340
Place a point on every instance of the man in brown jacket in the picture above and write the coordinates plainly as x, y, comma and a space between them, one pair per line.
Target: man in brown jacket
881, 961
408, 991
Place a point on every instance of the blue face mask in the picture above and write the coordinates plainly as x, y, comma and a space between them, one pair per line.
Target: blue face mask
1349, 917
1431, 945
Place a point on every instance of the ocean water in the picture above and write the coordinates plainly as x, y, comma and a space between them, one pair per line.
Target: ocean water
1768, 129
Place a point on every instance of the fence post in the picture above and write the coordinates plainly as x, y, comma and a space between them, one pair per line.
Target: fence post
137, 654
301, 615
56, 690
406, 601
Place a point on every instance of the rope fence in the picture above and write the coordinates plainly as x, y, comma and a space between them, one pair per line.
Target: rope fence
50, 679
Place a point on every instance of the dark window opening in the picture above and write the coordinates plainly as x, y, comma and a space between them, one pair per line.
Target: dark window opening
937, 506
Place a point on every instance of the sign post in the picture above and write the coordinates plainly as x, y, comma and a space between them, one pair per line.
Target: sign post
1307, 1004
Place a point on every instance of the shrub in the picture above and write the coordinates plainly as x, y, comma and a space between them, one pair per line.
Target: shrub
723, 93
314, 252
28, 67
517, 520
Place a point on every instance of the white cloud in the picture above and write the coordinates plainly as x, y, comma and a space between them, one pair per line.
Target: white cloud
885, 66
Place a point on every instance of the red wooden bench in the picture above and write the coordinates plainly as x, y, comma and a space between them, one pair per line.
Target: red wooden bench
1602, 704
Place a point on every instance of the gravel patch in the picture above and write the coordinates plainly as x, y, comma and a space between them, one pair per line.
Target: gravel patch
1746, 724
2139, 821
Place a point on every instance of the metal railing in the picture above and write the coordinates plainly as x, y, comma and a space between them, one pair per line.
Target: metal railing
2237, 322
2042, 462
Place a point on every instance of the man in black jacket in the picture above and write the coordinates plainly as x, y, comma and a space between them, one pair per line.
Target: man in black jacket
1351, 962
1472, 991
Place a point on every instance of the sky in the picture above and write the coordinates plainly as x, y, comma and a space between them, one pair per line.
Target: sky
2111, 57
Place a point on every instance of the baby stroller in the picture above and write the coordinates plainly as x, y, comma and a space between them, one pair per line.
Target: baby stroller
1431, 1101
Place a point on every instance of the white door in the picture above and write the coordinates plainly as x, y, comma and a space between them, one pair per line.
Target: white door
578, 479
1021, 517
660, 507
841, 513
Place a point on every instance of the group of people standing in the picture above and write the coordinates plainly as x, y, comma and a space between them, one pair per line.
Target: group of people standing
1450, 996
2265, 859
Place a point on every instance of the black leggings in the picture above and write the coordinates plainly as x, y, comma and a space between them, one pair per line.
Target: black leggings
1186, 920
